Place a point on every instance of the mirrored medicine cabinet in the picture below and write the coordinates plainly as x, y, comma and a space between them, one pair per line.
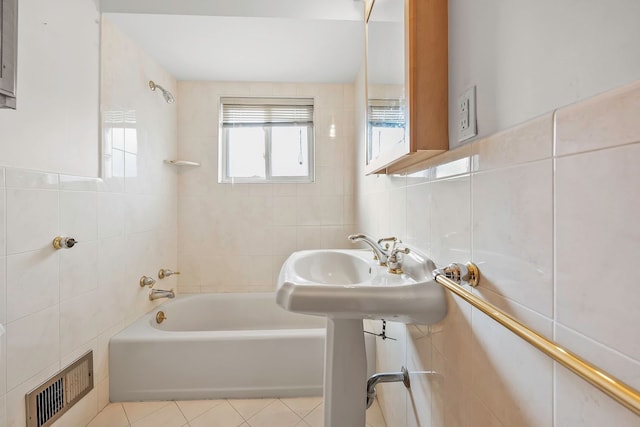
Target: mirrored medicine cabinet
407, 77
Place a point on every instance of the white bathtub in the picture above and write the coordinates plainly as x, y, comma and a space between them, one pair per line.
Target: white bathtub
218, 346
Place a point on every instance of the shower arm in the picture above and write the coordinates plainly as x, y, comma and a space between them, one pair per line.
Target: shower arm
168, 96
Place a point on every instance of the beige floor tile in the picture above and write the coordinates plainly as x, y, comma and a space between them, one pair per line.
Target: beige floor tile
222, 415
168, 416
302, 405
249, 407
112, 415
138, 410
276, 414
316, 417
194, 408
302, 423
374, 417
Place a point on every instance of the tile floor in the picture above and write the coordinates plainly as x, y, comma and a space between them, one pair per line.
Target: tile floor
289, 412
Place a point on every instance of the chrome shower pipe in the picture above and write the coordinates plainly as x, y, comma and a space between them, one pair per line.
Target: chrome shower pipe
165, 93
390, 377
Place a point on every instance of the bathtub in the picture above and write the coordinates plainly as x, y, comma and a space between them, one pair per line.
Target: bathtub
218, 346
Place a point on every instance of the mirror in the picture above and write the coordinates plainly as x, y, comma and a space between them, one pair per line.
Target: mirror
387, 129
407, 83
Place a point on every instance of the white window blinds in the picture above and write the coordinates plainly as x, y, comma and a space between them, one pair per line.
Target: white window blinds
266, 111
386, 113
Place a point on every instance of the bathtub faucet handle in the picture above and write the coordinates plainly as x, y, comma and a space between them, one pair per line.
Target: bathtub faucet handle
147, 281
164, 272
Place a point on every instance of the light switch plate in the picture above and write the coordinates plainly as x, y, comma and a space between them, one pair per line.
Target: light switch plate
467, 127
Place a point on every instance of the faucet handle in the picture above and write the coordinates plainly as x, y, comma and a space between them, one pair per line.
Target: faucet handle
147, 281
386, 240
64, 242
400, 249
394, 263
165, 272
393, 240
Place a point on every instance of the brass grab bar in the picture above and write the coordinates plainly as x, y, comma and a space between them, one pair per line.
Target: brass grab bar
608, 384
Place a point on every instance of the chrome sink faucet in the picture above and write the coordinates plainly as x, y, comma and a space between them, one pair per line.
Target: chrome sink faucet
160, 293
381, 252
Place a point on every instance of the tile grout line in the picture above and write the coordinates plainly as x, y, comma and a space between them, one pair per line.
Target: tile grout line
149, 414
594, 150
554, 252
238, 412
183, 414
272, 403
58, 231
307, 414
129, 423
124, 412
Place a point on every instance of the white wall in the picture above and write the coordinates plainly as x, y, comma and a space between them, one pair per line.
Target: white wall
57, 92
518, 203
58, 304
529, 57
542, 214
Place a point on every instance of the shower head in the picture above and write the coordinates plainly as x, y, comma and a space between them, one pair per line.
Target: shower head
165, 93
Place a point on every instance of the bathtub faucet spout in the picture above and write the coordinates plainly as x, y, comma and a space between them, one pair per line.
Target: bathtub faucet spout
160, 293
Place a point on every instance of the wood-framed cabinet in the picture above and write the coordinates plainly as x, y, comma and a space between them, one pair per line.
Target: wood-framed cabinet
407, 83
8, 52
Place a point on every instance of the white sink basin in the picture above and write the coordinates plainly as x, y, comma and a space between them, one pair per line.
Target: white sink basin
349, 284
332, 267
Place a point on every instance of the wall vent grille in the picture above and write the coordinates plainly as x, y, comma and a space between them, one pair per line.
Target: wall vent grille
47, 402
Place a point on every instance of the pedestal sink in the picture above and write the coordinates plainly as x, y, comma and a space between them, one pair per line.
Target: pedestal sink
348, 286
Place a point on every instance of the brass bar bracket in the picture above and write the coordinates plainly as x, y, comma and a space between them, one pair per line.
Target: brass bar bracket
462, 274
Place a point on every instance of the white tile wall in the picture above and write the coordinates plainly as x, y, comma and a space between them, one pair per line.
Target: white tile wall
58, 304
32, 213
32, 345
79, 270
598, 201
32, 282
222, 226
544, 209
513, 233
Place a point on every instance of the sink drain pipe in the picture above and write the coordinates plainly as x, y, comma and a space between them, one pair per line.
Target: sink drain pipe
391, 377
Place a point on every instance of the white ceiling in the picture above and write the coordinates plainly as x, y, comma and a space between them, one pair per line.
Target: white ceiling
247, 40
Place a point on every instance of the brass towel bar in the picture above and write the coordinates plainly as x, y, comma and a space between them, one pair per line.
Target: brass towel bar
608, 384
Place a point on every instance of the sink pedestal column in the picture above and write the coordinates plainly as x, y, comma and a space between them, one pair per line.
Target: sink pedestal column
345, 374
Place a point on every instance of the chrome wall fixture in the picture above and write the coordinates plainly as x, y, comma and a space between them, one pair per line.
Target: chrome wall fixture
391, 377
165, 93
64, 242
155, 294
455, 275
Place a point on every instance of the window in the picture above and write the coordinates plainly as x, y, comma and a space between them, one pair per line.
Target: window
119, 144
266, 140
386, 125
